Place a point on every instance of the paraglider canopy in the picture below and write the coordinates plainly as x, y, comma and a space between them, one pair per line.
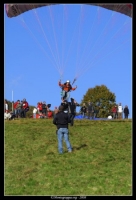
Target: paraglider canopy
14, 10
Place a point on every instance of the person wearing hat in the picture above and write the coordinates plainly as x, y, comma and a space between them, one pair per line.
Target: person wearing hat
66, 88
61, 120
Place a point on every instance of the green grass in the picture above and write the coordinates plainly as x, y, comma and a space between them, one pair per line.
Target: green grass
100, 164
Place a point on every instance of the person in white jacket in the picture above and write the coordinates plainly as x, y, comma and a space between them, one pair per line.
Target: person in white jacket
7, 115
34, 112
6, 105
120, 111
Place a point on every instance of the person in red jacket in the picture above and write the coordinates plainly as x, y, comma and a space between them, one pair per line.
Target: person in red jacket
50, 114
25, 108
114, 112
40, 107
15, 107
66, 88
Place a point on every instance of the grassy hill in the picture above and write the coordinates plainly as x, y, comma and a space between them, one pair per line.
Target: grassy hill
100, 164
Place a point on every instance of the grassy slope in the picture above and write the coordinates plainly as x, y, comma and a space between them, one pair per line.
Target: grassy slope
100, 164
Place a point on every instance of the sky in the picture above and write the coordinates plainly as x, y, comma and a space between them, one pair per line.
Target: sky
63, 42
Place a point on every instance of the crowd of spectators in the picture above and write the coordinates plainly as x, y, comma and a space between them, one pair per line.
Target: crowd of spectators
19, 109
116, 112
42, 110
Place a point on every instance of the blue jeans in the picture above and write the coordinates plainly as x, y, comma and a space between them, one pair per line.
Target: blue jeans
65, 94
18, 111
34, 115
83, 114
63, 132
15, 111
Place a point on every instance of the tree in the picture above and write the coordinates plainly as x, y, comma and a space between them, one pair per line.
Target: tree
102, 99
